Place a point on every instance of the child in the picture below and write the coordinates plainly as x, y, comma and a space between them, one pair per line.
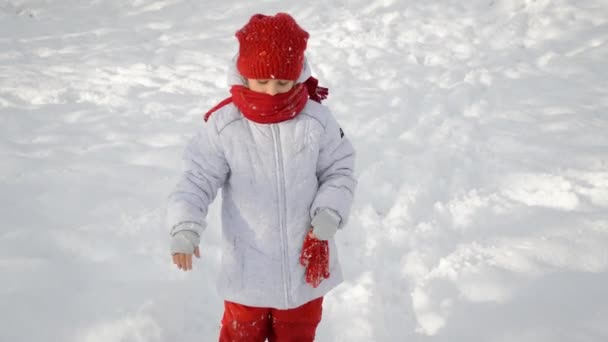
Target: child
286, 173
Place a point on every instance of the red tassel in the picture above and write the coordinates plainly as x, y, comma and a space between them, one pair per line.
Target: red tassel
315, 257
217, 106
315, 92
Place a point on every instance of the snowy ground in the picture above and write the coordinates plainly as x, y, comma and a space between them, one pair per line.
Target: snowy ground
482, 131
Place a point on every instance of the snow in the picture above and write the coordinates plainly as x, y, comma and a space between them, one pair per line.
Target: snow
482, 209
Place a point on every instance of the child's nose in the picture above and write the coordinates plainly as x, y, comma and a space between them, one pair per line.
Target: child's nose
272, 89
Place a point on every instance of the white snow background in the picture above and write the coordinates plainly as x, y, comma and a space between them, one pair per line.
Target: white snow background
482, 135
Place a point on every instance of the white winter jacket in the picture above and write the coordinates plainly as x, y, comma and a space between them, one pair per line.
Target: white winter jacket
274, 177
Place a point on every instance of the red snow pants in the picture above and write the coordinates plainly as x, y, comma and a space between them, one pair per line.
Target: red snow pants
252, 324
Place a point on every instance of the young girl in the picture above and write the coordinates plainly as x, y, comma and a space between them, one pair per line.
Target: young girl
286, 173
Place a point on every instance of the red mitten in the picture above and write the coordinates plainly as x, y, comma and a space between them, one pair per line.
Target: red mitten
315, 257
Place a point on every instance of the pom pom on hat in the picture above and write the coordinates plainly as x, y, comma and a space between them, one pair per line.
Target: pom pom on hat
271, 47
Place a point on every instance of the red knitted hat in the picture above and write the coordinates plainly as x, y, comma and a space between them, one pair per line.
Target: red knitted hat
271, 47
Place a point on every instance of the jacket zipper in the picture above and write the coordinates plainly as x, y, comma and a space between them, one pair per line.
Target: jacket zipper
281, 194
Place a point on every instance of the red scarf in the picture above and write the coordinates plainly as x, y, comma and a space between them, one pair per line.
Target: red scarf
266, 109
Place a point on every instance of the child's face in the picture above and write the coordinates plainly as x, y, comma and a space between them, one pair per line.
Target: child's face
270, 86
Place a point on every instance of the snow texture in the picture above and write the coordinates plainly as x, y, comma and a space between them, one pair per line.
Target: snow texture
481, 127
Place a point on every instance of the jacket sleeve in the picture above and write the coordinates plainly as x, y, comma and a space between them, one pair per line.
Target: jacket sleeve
335, 172
204, 172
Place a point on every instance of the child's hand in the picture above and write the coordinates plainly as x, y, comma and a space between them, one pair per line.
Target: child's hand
184, 261
183, 244
315, 258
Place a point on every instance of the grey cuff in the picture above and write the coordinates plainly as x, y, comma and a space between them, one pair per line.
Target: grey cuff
184, 242
325, 223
